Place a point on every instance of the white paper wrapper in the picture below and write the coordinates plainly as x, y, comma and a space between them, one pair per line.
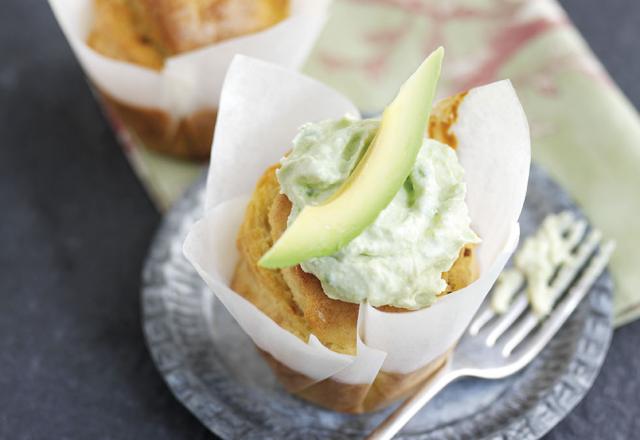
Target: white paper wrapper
192, 81
261, 108
494, 150
214, 256
250, 138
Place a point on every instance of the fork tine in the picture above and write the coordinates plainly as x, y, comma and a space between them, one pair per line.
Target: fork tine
568, 270
563, 309
576, 232
518, 306
525, 327
562, 281
493, 307
577, 292
484, 316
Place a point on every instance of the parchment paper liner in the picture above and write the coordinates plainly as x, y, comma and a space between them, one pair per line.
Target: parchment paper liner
262, 105
354, 398
173, 110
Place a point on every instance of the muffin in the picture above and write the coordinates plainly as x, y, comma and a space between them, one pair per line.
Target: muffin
295, 299
147, 32
355, 328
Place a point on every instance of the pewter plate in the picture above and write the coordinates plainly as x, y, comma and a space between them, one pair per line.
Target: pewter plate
214, 370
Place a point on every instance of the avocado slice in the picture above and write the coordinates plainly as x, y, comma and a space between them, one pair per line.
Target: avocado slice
324, 229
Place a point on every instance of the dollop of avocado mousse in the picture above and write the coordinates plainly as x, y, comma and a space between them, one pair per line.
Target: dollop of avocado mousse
399, 259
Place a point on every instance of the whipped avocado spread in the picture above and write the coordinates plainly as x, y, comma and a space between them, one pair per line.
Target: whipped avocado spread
399, 259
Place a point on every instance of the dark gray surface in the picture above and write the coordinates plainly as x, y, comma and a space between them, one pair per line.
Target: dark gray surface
74, 227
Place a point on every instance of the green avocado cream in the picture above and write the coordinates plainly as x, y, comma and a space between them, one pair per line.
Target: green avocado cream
400, 258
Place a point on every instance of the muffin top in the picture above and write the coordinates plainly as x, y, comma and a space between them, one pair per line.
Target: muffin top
399, 259
146, 32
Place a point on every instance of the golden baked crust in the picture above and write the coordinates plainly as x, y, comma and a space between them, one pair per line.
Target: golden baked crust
145, 32
266, 289
182, 25
115, 34
332, 321
292, 298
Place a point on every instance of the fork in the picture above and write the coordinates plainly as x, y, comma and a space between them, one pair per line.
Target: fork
496, 346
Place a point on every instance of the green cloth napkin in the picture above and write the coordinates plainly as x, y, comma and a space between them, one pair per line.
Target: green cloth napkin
584, 131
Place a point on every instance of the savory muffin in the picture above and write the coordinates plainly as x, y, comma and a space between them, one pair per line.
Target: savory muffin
358, 263
296, 300
146, 32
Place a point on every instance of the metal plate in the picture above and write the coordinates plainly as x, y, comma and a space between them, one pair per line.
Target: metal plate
213, 369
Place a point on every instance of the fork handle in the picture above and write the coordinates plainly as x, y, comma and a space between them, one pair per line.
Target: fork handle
405, 412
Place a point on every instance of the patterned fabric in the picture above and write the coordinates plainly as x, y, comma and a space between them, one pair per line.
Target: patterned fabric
584, 131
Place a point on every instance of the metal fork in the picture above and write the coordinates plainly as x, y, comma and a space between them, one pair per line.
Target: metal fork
496, 346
